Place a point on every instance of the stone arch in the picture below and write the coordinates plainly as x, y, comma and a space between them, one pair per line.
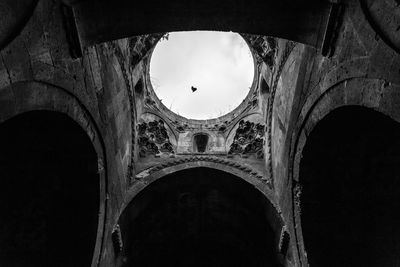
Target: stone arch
26, 97
255, 177
197, 173
371, 94
383, 17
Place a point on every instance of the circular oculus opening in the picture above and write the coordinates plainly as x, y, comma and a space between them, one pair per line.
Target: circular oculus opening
201, 74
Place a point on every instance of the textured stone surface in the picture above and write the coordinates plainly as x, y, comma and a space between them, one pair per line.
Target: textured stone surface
107, 91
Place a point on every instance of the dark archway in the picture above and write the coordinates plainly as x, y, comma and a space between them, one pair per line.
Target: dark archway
199, 217
350, 202
49, 193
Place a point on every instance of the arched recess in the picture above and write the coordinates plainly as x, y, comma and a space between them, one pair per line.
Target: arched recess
374, 96
53, 176
49, 196
350, 176
199, 217
200, 142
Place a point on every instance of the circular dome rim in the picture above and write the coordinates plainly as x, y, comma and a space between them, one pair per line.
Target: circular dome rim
228, 116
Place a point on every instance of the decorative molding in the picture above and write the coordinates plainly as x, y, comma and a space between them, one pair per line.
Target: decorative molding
234, 164
249, 139
297, 190
285, 55
182, 126
153, 139
140, 46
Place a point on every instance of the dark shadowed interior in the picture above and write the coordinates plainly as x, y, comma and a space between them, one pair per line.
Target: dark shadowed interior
49, 193
350, 202
200, 143
199, 217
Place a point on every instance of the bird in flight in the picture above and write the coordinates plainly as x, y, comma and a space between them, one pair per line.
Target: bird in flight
194, 89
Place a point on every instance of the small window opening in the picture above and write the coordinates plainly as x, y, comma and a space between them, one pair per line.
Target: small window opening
200, 143
264, 86
139, 87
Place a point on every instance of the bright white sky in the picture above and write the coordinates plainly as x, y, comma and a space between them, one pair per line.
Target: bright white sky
218, 64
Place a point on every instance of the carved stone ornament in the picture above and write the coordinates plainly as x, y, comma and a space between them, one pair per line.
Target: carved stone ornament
153, 139
265, 48
234, 164
249, 139
297, 189
140, 46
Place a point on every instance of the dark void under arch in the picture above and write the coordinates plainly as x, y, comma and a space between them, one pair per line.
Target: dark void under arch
350, 202
199, 217
49, 192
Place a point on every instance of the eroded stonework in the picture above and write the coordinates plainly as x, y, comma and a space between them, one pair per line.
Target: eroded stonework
212, 159
106, 90
219, 130
154, 139
249, 139
265, 48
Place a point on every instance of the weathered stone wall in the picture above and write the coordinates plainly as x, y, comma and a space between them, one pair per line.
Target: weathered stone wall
104, 91
363, 68
38, 71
